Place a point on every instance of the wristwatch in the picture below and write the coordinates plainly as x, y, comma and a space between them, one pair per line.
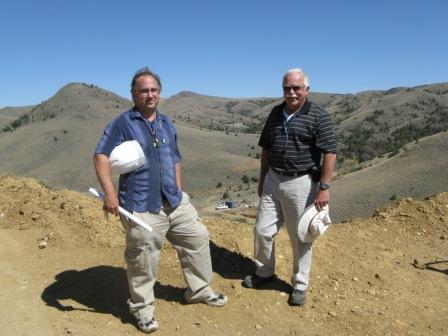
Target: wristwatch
323, 186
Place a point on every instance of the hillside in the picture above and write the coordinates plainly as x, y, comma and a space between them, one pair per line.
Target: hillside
368, 124
63, 268
218, 113
371, 124
54, 142
10, 114
418, 170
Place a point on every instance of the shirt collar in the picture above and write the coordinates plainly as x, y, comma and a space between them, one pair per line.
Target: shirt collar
288, 116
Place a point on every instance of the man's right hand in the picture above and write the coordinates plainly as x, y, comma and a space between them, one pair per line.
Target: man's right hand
110, 204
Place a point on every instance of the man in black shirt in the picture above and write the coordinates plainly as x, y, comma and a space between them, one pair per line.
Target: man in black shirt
297, 163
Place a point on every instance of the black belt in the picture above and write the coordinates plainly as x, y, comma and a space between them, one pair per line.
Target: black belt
295, 174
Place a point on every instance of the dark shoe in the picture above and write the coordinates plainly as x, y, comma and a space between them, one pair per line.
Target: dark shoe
255, 281
147, 325
297, 297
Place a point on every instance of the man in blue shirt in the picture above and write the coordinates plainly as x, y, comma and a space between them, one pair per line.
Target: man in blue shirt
154, 194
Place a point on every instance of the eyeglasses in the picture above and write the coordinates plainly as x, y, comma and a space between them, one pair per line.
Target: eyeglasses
295, 88
146, 91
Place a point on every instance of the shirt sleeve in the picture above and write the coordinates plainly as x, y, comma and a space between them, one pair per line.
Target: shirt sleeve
326, 140
265, 138
112, 137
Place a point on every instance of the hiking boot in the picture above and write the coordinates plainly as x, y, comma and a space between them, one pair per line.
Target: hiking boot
147, 325
216, 300
255, 281
297, 297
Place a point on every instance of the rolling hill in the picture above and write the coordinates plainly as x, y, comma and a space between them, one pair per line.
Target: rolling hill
418, 170
55, 145
368, 124
10, 114
393, 142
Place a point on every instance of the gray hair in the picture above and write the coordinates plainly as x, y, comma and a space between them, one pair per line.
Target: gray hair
145, 72
306, 80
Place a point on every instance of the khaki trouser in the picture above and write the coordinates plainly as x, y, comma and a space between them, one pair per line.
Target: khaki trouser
184, 230
283, 200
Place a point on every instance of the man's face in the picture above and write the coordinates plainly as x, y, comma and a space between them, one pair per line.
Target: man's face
294, 91
146, 94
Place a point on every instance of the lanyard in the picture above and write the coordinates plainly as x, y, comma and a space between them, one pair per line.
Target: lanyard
285, 130
153, 130
286, 124
155, 139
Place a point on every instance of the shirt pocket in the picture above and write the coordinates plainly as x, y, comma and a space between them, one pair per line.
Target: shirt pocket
303, 135
163, 138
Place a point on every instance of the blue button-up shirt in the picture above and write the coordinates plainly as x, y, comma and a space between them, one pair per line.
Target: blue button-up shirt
143, 189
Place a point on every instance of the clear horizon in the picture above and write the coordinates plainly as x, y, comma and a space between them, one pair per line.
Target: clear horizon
232, 49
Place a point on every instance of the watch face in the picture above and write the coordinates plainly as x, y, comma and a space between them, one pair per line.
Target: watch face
323, 186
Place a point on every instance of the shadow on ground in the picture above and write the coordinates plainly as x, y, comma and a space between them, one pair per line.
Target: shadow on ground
234, 265
104, 289
435, 266
101, 289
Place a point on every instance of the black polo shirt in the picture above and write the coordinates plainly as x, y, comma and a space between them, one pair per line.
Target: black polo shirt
297, 145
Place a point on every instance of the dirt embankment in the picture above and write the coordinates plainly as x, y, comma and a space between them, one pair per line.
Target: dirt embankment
63, 273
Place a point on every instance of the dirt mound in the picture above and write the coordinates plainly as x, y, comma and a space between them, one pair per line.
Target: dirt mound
62, 216
385, 275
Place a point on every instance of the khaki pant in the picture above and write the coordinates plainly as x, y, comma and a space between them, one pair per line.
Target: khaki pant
184, 230
284, 199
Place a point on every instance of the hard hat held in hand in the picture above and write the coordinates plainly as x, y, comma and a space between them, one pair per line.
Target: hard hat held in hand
127, 157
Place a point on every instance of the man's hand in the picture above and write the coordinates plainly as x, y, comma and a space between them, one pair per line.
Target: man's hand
322, 199
110, 204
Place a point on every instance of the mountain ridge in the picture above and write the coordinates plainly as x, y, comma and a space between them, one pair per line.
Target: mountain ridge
55, 143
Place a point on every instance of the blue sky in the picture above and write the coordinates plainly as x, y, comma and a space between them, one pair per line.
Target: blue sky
222, 48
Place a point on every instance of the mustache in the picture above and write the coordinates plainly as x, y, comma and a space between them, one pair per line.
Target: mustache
291, 96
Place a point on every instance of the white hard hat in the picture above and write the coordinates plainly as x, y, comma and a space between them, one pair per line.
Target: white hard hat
127, 157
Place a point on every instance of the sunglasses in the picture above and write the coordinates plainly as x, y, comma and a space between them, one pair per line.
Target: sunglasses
295, 88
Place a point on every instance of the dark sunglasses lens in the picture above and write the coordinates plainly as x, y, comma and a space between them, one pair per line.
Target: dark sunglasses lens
294, 88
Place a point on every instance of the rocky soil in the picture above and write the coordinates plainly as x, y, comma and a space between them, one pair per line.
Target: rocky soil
62, 273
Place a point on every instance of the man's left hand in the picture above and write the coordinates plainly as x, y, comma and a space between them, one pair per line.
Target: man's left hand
322, 199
